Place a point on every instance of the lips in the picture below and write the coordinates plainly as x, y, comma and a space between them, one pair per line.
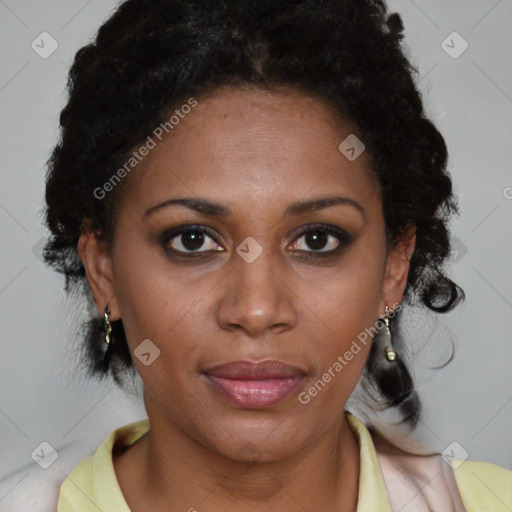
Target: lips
255, 384
249, 370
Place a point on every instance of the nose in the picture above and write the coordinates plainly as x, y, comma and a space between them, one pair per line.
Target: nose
256, 298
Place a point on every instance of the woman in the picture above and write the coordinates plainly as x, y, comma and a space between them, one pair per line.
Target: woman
250, 192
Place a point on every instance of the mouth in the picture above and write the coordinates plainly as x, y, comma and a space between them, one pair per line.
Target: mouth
255, 385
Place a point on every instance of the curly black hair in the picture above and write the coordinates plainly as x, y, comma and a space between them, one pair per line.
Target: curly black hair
151, 55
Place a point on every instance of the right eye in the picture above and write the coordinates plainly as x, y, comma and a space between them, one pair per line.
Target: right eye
186, 240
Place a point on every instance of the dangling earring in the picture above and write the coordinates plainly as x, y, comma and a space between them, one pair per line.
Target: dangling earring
108, 337
390, 354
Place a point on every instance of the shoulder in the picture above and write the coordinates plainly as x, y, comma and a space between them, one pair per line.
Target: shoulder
35, 488
92, 484
77, 492
433, 482
483, 485
417, 483
29, 490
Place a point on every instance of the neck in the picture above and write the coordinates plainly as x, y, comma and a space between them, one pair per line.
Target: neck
324, 475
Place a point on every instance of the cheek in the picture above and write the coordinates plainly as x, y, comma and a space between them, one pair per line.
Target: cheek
164, 306
340, 351
341, 315
344, 300
342, 348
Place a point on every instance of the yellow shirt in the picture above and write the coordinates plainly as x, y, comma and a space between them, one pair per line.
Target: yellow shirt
92, 486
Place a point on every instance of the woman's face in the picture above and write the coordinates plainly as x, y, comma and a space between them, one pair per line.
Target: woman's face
254, 286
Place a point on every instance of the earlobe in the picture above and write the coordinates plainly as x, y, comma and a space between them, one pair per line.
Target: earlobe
397, 270
98, 268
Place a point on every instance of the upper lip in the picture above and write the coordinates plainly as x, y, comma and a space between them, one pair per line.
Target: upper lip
245, 369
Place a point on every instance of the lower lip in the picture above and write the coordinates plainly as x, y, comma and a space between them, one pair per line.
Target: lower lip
255, 394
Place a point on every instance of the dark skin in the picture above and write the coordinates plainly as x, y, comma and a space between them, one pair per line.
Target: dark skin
254, 152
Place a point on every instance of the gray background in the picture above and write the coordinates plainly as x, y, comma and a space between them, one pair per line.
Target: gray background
44, 398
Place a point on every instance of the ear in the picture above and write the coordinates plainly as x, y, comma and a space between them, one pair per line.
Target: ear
397, 270
98, 268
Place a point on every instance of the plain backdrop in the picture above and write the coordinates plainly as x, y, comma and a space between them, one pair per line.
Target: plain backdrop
467, 93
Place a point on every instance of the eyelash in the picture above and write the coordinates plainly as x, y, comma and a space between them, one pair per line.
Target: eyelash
344, 238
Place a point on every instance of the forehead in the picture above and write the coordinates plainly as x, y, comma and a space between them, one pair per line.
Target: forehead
266, 144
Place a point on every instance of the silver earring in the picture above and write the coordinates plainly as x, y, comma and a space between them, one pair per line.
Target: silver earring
108, 337
390, 353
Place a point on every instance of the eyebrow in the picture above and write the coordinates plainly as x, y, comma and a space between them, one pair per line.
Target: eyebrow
213, 209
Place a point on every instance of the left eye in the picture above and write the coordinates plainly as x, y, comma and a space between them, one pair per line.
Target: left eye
322, 239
